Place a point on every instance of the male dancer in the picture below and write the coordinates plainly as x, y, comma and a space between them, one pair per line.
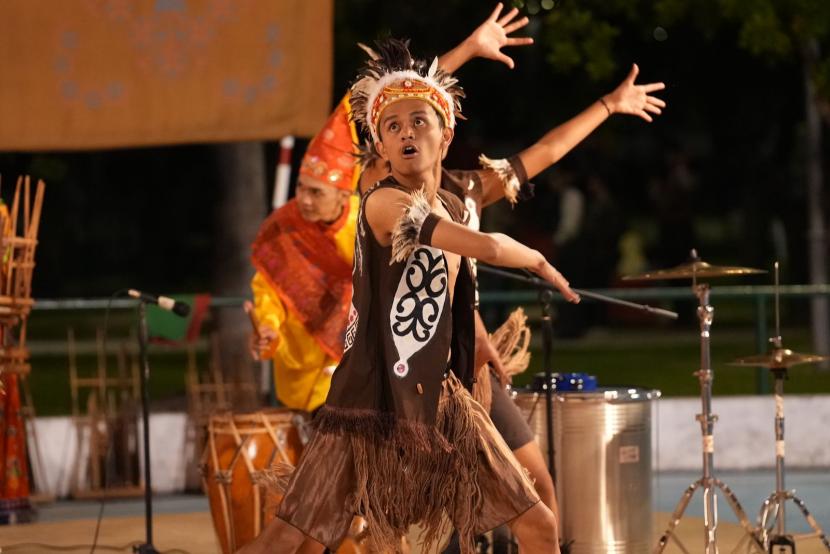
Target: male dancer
508, 178
399, 440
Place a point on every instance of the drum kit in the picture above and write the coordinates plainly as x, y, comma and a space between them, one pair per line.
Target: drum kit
770, 533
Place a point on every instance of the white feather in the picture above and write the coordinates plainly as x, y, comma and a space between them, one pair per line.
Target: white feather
372, 54
433, 68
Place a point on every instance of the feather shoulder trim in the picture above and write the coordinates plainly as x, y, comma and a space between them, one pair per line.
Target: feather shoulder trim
506, 174
408, 227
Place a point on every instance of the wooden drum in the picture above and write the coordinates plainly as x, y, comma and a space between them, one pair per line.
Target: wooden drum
240, 450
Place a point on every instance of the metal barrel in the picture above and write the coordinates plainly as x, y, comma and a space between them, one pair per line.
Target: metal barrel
602, 441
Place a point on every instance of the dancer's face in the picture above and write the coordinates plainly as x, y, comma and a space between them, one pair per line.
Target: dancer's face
412, 137
319, 203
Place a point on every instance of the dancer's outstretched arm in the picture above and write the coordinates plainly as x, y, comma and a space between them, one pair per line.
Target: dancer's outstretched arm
628, 98
387, 207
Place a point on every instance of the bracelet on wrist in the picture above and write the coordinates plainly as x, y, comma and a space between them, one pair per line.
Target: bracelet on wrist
605, 105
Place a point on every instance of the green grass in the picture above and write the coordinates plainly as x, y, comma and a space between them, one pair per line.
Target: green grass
53, 324
667, 361
49, 381
661, 358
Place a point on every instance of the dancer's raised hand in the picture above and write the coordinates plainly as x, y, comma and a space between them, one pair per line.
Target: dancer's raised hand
492, 35
633, 99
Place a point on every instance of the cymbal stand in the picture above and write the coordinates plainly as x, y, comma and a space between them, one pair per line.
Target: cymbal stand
708, 483
771, 519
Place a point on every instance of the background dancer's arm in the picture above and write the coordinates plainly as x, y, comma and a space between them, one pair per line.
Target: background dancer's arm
487, 41
268, 312
628, 98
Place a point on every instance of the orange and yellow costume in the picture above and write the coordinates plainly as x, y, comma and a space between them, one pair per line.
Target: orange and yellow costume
303, 284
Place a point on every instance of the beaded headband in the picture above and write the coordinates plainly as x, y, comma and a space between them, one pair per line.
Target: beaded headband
392, 75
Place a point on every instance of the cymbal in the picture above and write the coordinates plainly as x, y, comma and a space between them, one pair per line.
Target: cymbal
779, 357
694, 269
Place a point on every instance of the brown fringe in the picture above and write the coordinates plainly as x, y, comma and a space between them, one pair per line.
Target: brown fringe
482, 388
275, 477
383, 426
512, 341
413, 473
458, 486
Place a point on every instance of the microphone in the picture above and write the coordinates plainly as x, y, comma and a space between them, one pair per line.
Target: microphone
164, 302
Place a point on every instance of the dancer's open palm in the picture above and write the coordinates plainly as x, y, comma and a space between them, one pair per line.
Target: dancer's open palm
633, 99
492, 35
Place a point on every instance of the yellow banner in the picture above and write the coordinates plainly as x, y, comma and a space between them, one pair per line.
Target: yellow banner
84, 74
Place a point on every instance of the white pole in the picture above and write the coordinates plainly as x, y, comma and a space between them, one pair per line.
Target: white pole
281, 180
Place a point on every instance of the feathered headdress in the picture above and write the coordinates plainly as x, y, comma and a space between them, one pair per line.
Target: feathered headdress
391, 75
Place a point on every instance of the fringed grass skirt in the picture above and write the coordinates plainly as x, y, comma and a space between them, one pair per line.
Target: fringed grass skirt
396, 476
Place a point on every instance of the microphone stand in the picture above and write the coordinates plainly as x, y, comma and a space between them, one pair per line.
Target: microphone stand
546, 301
546, 297
143, 338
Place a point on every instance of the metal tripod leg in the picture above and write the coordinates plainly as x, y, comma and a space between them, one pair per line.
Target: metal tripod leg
676, 516
740, 513
709, 494
773, 505
772, 531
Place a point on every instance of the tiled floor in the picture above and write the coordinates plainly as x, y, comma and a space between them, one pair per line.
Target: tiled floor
752, 488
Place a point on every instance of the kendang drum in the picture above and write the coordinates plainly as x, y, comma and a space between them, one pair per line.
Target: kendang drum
241, 448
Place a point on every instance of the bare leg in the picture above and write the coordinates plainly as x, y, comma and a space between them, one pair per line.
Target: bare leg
530, 456
536, 531
280, 535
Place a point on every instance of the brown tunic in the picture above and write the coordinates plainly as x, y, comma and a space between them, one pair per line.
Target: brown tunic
400, 441
402, 326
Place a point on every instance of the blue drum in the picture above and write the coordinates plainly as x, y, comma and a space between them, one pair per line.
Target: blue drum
564, 382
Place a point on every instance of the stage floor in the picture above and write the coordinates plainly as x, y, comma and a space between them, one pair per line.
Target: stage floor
193, 534
182, 522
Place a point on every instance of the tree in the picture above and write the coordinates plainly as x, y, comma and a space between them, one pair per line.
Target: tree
240, 212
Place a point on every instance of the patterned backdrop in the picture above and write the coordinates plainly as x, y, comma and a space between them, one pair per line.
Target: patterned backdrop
80, 74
